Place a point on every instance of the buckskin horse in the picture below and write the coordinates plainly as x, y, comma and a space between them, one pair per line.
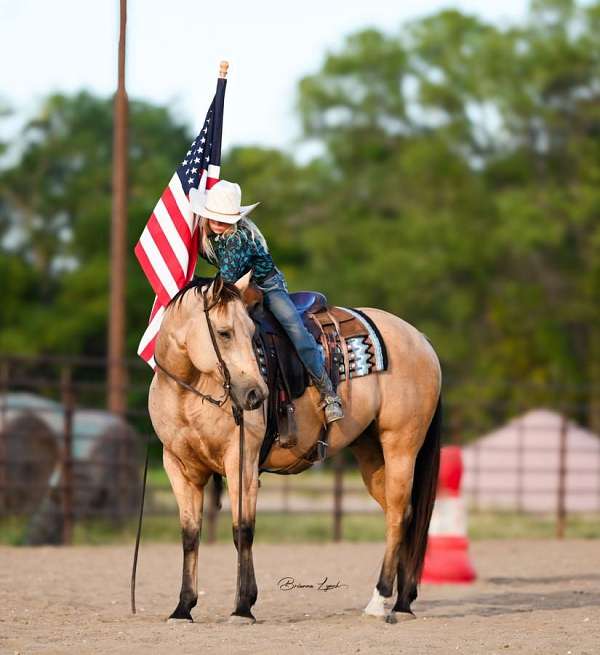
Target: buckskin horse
205, 349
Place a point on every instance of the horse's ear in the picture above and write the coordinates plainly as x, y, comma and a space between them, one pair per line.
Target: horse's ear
215, 286
243, 283
251, 294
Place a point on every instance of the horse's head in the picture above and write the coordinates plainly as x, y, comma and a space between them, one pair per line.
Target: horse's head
233, 330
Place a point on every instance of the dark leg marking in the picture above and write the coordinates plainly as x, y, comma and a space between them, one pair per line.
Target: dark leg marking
385, 584
248, 588
407, 591
188, 597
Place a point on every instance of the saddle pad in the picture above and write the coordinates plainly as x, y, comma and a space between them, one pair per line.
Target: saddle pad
365, 345
370, 353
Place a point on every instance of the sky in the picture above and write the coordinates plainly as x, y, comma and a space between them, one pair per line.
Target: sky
174, 49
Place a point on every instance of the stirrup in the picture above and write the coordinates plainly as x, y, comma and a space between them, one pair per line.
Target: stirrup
333, 408
329, 399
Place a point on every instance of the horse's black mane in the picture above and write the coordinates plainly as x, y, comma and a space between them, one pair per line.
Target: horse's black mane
225, 291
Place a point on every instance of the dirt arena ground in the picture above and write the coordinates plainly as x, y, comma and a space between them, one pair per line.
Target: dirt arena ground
531, 597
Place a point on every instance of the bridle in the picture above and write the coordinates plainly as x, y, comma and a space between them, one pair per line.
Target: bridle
222, 366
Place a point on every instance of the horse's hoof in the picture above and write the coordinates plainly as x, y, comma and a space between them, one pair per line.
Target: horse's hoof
376, 606
182, 620
399, 617
238, 619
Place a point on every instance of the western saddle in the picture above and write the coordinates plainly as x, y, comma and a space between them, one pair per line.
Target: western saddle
284, 372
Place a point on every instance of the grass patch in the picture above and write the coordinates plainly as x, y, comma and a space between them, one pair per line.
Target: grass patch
270, 528
512, 525
294, 528
161, 523
12, 530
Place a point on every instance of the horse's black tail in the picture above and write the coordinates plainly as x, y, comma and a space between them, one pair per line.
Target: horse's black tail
424, 488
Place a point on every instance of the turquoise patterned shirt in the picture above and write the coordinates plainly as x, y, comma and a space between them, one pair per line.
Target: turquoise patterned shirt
238, 253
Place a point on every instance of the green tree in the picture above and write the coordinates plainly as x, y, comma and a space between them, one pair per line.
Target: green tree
467, 160
56, 205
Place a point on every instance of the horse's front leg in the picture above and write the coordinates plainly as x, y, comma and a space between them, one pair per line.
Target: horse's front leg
248, 590
189, 498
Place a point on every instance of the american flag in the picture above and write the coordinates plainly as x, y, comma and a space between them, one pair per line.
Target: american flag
168, 248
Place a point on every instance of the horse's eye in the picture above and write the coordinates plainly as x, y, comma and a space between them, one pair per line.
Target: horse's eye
226, 334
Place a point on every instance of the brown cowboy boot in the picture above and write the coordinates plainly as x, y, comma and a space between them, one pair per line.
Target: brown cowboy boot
329, 399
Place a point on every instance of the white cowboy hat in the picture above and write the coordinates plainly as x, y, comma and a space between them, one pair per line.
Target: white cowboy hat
221, 202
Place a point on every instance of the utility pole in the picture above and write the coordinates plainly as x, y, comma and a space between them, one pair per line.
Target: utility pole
117, 373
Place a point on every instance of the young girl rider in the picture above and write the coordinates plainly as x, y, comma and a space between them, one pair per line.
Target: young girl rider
233, 243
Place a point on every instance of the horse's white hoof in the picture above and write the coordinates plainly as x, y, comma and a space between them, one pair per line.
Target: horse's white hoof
236, 619
170, 620
376, 606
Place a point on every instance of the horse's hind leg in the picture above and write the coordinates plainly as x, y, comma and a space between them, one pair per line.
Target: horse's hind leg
414, 543
189, 498
399, 469
398, 448
369, 456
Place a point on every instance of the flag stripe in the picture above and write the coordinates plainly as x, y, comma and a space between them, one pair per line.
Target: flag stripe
159, 290
194, 253
164, 246
150, 347
158, 264
181, 204
155, 308
180, 240
172, 208
155, 269
151, 331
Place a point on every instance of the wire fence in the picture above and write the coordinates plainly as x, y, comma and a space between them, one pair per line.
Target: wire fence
65, 460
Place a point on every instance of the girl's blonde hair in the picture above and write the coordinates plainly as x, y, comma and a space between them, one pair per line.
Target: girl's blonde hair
205, 231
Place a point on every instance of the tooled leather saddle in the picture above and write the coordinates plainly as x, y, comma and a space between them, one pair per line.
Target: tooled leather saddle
351, 346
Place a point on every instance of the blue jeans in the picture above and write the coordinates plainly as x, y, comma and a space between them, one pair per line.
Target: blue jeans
277, 300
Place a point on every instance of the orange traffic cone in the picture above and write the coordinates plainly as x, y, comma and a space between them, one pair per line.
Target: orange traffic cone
447, 557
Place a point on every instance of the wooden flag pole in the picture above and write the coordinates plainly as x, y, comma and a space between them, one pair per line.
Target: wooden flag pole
238, 415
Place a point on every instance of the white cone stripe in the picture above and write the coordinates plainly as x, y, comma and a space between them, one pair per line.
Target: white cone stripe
449, 518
